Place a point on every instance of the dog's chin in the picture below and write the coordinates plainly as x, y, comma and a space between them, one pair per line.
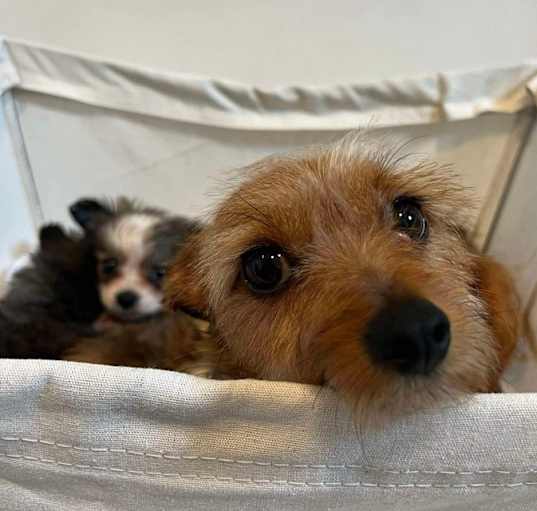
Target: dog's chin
389, 397
134, 316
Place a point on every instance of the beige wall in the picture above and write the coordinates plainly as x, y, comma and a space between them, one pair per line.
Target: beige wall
284, 41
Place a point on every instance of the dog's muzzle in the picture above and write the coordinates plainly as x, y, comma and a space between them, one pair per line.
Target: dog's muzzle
411, 336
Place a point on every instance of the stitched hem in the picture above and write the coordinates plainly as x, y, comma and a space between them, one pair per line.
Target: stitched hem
230, 461
277, 482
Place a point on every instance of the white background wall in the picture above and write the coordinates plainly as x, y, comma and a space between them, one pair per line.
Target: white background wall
284, 41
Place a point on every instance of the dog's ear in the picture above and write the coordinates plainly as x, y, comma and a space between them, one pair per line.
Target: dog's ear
50, 235
495, 287
183, 286
55, 243
89, 213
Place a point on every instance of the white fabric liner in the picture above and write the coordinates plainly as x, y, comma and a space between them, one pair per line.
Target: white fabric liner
444, 96
73, 434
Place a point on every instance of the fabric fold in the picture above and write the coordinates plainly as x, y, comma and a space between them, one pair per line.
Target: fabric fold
214, 102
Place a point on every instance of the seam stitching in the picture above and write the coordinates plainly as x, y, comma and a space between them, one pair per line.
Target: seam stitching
170, 457
279, 482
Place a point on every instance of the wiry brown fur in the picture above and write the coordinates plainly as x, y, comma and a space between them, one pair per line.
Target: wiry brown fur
330, 211
174, 341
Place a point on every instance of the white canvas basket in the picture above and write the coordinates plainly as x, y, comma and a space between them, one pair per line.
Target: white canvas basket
78, 436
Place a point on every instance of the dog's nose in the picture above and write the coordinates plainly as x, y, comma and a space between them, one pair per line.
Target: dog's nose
411, 336
127, 299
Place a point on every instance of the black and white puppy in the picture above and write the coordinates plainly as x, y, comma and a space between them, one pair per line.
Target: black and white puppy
133, 245
115, 268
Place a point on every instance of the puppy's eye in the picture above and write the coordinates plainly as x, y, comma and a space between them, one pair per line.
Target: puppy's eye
410, 219
265, 269
109, 265
157, 272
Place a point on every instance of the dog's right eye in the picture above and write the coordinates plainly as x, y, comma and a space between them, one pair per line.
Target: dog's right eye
109, 266
410, 219
265, 269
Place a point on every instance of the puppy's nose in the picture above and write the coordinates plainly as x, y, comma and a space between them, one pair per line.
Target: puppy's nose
127, 299
411, 336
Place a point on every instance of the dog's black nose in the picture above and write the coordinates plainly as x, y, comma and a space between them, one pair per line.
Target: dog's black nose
411, 336
127, 299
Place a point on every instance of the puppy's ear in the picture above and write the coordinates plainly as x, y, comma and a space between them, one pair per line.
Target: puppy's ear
183, 288
50, 234
89, 213
496, 288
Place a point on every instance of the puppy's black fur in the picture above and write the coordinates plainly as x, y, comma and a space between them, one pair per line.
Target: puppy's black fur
52, 302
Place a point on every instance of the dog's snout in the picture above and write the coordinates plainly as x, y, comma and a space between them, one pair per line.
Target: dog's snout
127, 299
412, 336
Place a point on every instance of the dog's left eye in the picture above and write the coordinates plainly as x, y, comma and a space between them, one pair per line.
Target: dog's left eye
109, 265
158, 272
265, 269
410, 219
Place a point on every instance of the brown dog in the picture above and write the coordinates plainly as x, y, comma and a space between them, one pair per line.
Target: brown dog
347, 267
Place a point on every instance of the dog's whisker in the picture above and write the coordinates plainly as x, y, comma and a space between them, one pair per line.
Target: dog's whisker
264, 218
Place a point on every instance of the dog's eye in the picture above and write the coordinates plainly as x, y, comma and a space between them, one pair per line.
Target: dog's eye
158, 272
410, 219
109, 265
265, 269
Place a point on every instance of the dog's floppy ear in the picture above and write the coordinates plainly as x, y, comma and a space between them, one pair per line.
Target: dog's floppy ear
183, 287
89, 213
496, 288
